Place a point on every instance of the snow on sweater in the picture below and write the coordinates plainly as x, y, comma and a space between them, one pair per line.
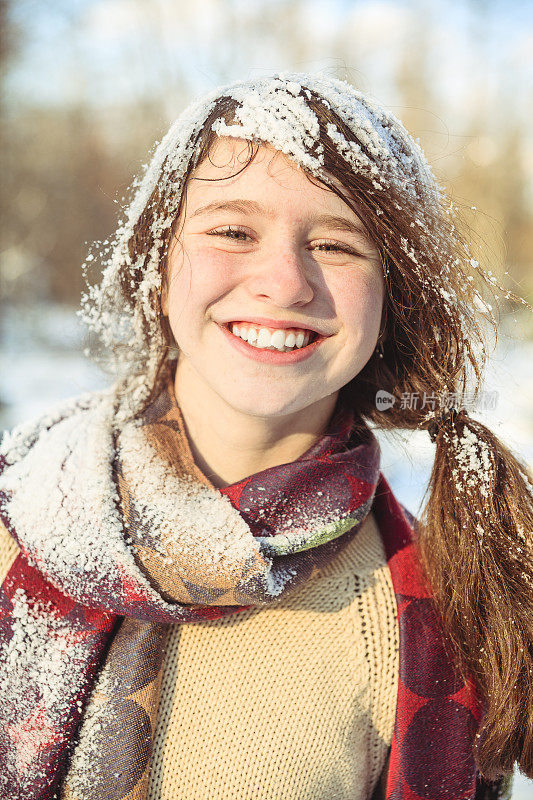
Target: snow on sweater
295, 701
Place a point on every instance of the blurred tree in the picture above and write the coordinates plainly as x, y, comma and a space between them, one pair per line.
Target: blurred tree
61, 183
490, 179
413, 81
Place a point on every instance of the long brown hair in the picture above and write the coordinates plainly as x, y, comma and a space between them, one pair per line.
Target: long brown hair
474, 535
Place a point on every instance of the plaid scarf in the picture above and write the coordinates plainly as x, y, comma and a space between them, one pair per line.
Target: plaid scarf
121, 535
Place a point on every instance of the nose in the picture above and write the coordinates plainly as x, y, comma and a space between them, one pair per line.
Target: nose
281, 278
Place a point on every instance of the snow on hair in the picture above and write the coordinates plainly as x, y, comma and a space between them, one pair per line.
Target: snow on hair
121, 310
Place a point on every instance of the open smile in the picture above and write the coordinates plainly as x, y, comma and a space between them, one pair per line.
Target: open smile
272, 346
280, 339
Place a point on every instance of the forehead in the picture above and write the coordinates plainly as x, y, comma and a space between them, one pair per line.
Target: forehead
228, 172
228, 154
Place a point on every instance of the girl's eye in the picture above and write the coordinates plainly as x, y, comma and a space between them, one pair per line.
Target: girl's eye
240, 235
235, 234
335, 247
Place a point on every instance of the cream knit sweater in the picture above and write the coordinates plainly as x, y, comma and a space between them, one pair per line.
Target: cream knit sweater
291, 702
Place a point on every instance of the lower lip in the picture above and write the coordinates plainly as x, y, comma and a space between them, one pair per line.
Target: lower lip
271, 356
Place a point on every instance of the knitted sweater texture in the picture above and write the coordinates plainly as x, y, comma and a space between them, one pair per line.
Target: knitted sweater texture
296, 700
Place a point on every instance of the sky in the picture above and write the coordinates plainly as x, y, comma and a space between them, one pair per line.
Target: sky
103, 50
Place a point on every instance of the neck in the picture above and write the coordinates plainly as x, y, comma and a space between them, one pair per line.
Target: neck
229, 445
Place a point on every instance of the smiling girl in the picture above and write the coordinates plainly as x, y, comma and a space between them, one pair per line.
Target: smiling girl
209, 589
274, 296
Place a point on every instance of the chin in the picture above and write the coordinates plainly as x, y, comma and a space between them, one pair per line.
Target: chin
268, 405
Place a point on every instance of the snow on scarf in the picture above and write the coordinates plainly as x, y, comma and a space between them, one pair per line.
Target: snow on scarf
117, 541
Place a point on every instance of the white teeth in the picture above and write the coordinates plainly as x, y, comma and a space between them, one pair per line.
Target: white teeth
277, 340
264, 339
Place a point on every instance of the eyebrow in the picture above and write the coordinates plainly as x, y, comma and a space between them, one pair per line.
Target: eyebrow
331, 221
340, 224
244, 206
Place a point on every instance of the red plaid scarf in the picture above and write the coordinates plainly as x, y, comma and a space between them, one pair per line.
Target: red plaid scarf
116, 614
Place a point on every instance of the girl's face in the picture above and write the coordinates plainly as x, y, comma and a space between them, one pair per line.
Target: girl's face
281, 259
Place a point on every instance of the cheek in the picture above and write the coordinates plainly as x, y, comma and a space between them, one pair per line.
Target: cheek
199, 277
359, 303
